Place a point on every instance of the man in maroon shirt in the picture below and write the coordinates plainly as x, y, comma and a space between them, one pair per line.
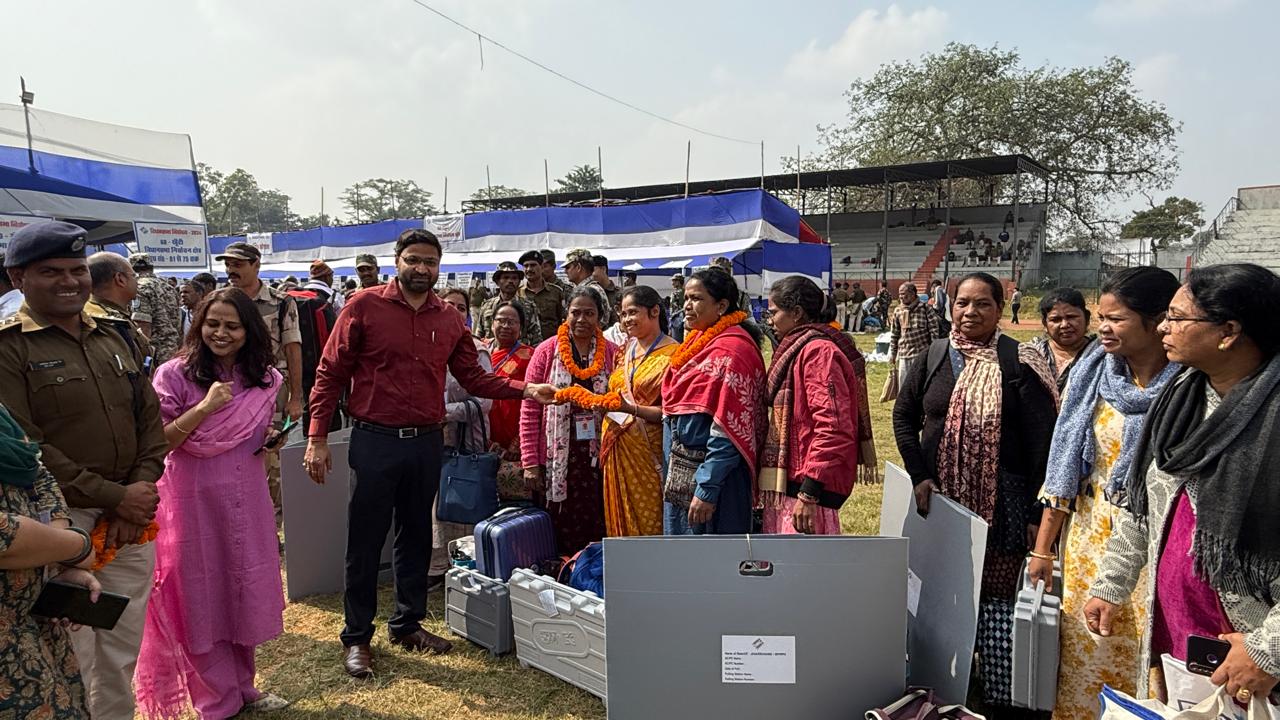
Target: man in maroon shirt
392, 345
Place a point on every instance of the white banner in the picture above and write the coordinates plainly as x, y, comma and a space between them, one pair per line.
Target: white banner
173, 245
448, 229
10, 224
262, 241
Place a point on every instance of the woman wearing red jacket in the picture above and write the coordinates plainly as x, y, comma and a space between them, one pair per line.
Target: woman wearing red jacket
812, 453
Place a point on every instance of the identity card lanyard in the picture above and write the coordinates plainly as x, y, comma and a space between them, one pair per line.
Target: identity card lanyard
632, 366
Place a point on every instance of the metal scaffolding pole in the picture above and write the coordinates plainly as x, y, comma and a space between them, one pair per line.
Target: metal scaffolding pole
884, 243
946, 259
1017, 188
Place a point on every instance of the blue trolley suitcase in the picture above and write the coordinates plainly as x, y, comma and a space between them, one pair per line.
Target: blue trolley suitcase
514, 538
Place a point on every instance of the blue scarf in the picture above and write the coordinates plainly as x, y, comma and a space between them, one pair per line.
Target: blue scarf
1071, 455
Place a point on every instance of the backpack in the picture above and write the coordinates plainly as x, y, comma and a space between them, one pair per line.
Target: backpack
316, 318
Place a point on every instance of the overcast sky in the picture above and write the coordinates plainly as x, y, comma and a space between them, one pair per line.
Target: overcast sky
317, 93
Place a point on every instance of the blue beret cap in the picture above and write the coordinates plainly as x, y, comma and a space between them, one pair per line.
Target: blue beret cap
42, 241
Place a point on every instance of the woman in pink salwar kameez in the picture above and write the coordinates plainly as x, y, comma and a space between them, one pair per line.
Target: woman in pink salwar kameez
217, 592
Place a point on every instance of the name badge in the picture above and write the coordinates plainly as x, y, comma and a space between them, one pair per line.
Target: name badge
584, 426
47, 364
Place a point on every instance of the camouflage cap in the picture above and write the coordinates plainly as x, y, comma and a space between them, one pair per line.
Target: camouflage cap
140, 261
580, 255
506, 266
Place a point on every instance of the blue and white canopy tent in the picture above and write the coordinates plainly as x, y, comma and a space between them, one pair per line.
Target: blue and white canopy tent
761, 234
103, 177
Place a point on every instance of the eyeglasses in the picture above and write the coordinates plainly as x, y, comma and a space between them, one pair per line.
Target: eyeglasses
1187, 319
505, 322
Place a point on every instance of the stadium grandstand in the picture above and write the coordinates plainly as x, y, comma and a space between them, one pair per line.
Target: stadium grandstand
890, 224
1246, 230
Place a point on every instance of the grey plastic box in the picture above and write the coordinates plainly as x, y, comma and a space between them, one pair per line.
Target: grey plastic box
1036, 618
768, 626
560, 631
478, 608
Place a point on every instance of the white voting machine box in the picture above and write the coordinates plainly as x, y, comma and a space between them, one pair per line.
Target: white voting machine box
315, 521
943, 580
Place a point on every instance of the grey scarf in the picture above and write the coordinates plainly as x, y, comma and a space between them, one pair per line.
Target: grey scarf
1231, 456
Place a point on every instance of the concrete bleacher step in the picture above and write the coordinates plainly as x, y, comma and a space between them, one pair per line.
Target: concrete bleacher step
1248, 235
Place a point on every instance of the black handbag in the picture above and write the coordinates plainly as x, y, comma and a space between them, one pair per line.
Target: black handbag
468, 480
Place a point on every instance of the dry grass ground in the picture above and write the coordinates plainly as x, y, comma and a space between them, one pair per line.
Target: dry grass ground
304, 664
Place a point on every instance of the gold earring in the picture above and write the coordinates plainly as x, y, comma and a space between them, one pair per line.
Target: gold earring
1222, 346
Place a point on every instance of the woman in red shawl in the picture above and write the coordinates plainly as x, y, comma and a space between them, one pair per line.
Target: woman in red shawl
510, 360
714, 415
812, 451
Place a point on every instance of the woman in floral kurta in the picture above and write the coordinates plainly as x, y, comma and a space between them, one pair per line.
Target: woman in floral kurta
39, 677
1087, 660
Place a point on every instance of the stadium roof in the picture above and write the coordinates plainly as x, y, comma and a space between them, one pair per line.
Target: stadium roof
812, 180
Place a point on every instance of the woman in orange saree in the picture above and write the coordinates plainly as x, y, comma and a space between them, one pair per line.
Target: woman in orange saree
631, 445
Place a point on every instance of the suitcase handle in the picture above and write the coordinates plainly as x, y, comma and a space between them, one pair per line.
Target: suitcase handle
1037, 603
468, 585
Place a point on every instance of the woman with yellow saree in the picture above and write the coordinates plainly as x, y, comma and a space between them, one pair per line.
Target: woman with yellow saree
631, 446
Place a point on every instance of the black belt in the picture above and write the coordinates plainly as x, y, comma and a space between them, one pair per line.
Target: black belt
403, 433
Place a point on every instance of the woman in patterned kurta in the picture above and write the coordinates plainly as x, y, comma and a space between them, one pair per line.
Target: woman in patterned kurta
559, 444
1113, 384
1088, 661
39, 677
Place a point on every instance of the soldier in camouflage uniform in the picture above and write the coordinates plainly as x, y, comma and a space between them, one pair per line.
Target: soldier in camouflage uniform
549, 272
114, 288
612, 292
508, 279
675, 307
578, 266
156, 310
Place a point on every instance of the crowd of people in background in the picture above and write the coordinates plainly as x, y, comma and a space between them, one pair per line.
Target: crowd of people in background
142, 420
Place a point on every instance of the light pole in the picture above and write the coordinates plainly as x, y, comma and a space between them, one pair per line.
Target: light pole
28, 98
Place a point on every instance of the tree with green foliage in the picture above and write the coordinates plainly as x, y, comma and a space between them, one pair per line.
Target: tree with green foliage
579, 179
317, 220
496, 192
236, 203
382, 199
1089, 126
1171, 221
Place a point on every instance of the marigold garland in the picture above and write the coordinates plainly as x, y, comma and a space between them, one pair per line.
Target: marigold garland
104, 555
695, 343
586, 399
566, 354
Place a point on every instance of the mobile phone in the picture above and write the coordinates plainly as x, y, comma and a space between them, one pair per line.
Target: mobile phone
1205, 654
64, 600
273, 443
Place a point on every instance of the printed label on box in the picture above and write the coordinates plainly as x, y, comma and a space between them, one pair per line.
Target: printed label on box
758, 659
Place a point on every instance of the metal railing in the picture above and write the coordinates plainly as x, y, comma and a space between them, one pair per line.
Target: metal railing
1201, 240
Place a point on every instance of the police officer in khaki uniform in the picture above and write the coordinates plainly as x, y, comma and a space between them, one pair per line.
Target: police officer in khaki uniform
115, 285
547, 297
76, 387
280, 313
